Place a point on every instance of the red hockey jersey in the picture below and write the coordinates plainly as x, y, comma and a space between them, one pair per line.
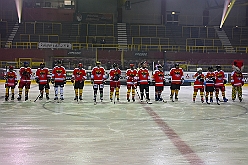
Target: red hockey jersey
79, 74
219, 78
131, 76
143, 76
59, 74
209, 78
98, 75
11, 78
158, 77
198, 83
25, 74
43, 75
176, 75
114, 75
237, 79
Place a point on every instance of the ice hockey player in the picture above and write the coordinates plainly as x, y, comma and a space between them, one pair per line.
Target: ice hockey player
220, 82
199, 84
78, 78
59, 80
131, 76
144, 81
210, 81
43, 78
98, 79
25, 80
114, 77
11, 82
237, 80
159, 80
176, 80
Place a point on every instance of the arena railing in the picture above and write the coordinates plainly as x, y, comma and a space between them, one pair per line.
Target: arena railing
206, 31
135, 47
39, 38
150, 40
147, 30
204, 41
33, 27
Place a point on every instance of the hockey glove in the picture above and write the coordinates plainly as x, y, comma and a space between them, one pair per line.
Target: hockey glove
37, 80
198, 77
16, 82
224, 81
116, 77
182, 81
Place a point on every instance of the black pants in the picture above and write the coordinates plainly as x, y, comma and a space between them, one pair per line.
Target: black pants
146, 88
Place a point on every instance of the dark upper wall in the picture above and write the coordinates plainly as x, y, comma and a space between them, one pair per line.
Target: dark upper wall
149, 11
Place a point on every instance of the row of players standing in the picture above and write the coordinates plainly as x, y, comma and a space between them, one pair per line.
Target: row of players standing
210, 82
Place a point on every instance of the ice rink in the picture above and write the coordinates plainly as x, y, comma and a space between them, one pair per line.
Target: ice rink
125, 133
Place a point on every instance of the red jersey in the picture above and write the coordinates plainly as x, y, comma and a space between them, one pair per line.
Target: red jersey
131, 76
114, 75
198, 83
79, 74
158, 77
25, 74
143, 76
176, 75
43, 75
59, 74
11, 78
237, 79
219, 78
209, 78
98, 75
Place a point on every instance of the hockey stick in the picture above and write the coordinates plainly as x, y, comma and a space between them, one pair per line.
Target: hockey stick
135, 87
37, 98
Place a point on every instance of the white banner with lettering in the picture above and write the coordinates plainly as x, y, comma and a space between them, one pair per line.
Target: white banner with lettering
47, 45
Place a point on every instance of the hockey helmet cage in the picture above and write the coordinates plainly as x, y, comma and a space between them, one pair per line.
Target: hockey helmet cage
59, 62
11, 67
98, 63
80, 64
25, 63
176, 65
210, 68
131, 65
115, 65
218, 67
198, 69
142, 63
42, 63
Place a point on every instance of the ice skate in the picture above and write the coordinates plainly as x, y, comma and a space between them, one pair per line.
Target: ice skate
26, 97
76, 98
12, 97
19, 97
225, 99
47, 97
